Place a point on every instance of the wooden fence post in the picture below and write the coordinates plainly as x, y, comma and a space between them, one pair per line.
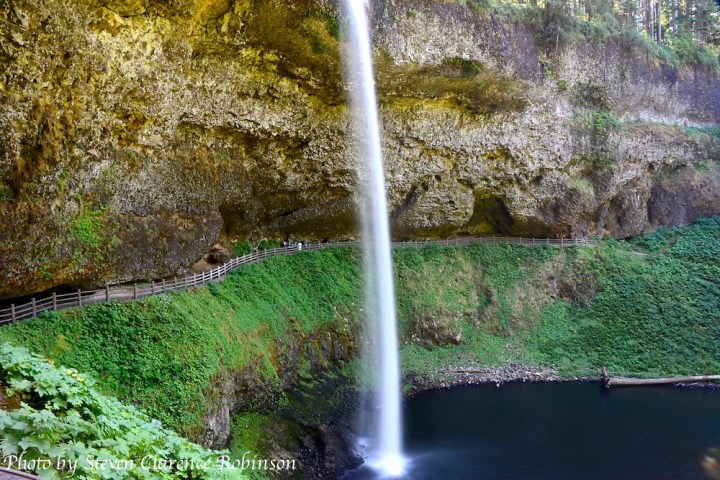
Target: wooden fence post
224, 269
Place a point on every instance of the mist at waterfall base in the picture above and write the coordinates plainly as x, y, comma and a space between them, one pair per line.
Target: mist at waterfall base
383, 450
559, 431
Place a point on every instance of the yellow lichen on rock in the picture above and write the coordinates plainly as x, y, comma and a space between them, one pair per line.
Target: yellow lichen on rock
126, 8
191, 121
206, 10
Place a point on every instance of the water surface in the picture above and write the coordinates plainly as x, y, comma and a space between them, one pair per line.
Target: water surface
525, 431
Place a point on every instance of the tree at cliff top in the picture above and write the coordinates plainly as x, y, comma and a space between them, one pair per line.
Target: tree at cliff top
136, 135
678, 31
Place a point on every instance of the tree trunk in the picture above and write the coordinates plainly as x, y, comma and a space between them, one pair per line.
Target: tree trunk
673, 15
623, 381
651, 7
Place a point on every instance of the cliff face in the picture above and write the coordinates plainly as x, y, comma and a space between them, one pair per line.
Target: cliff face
138, 133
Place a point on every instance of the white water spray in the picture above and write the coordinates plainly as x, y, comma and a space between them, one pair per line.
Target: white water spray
386, 451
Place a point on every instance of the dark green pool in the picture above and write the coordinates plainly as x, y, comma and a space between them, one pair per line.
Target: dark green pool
554, 431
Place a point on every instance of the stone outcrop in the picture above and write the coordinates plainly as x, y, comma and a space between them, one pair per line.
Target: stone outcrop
306, 394
137, 134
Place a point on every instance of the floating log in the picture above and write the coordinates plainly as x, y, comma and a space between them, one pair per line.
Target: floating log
627, 382
464, 371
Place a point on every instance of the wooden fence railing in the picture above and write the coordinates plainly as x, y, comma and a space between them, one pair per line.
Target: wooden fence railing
79, 298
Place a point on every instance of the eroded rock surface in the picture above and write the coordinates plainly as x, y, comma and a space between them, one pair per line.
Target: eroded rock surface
137, 134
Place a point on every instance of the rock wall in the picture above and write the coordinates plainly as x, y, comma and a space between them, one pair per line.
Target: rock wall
305, 393
136, 134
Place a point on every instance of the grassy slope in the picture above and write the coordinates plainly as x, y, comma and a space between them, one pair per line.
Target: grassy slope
162, 352
575, 309
648, 314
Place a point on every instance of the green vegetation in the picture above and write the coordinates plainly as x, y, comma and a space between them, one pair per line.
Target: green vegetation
650, 307
576, 309
268, 244
687, 32
652, 316
163, 352
88, 227
6, 194
702, 133
604, 120
594, 119
597, 119
684, 49
332, 23
251, 434
582, 185
242, 248
468, 67
456, 83
63, 419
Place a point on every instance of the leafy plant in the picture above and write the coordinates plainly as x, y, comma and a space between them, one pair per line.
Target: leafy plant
63, 421
88, 226
603, 120
6, 194
268, 244
582, 185
242, 248
163, 352
468, 67
575, 308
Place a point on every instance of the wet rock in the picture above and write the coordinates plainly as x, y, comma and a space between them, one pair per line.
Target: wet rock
311, 401
168, 127
219, 254
470, 373
328, 451
126, 8
436, 331
684, 194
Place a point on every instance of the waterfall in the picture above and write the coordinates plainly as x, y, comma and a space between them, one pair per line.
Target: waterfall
385, 450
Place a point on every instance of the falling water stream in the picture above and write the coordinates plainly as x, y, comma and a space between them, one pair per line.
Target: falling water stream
385, 451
